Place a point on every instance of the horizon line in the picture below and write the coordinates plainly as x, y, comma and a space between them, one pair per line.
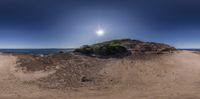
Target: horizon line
74, 48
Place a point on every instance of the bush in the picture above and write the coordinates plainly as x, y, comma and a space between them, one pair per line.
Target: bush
102, 50
112, 49
84, 50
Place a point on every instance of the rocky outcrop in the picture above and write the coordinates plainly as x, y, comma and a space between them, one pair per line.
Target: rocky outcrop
152, 48
123, 47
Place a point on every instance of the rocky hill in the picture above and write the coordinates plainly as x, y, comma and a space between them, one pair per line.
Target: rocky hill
123, 47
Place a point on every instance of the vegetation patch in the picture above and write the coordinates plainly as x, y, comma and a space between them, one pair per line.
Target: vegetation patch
110, 49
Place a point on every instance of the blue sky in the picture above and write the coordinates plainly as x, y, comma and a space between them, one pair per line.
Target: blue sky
72, 23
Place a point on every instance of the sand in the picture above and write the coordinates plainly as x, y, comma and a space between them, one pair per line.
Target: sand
174, 76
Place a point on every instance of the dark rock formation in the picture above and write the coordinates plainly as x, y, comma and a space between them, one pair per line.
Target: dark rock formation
123, 47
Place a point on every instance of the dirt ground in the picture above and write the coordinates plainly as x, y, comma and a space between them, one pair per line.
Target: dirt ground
174, 76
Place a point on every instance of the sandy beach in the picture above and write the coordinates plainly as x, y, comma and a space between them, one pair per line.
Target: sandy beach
174, 76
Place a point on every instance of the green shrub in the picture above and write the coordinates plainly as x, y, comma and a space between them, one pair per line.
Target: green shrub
84, 50
105, 50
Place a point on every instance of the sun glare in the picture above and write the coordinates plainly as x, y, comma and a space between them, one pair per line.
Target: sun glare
100, 32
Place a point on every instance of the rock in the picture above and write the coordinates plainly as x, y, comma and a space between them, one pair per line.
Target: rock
85, 79
61, 52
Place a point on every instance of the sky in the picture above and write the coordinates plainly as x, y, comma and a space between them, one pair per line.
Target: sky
72, 23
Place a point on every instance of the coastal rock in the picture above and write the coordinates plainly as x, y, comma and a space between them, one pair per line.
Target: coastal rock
123, 47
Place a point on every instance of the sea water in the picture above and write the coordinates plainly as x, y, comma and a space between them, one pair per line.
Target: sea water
35, 51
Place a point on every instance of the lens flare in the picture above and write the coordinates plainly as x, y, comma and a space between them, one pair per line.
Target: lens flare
100, 32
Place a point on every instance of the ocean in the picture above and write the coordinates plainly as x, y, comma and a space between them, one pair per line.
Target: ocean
35, 51
50, 51
190, 49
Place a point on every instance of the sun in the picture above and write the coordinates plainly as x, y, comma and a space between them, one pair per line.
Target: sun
100, 32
